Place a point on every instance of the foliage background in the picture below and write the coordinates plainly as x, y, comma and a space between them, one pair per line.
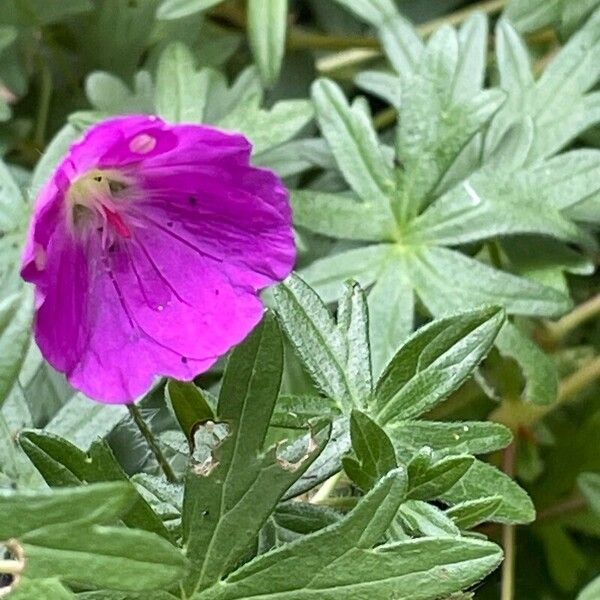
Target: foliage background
466, 178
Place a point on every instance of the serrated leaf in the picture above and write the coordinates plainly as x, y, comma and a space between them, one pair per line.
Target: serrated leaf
108, 557
434, 362
267, 23
230, 495
63, 464
340, 559
354, 143
373, 449
471, 513
516, 506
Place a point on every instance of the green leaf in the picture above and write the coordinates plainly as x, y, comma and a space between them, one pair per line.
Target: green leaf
108, 93
268, 128
62, 464
589, 484
391, 314
180, 91
401, 43
467, 437
434, 362
294, 412
106, 557
15, 321
267, 21
190, 406
423, 519
177, 9
27, 511
82, 421
435, 126
354, 143
591, 591
539, 371
334, 354
471, 513
472, 53
340, 560
28, 589
516, 505
448, 281
373, 449
491, 204
434, 480
363, 264
229, 495
341, 216
380, 83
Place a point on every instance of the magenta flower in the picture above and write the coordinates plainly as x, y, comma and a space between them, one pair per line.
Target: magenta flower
147, 248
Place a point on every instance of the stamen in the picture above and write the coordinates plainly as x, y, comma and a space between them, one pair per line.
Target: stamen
116, 220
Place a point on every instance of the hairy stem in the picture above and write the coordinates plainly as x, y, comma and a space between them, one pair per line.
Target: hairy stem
584, 312
145, 430
508, 533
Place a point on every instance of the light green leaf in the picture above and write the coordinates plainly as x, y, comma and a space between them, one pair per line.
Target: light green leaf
375, 456
391, 314
268, 128
27, 511
468, 437
423, 519
363, 264
448, 281
297, 156
591, 591
267, 22
341, 216
434, 362
472, 52
231, 493
380, 83
108, 93
516, 505
354, 143
180, 91
106, 557
16, 313
177, 9
471, 513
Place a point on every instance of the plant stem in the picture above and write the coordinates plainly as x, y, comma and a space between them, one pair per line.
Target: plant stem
384, 118
560, 329
579, 380
508, 533
138, 419
460, 16
573, 504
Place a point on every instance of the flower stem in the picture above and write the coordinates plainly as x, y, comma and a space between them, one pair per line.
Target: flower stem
43, 105
138, 419
582, 313
460, 16
508, 533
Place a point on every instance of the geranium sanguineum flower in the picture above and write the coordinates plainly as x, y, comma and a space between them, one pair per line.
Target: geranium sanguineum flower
147, 249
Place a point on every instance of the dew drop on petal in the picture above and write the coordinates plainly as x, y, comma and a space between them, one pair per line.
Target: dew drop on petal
142, 143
